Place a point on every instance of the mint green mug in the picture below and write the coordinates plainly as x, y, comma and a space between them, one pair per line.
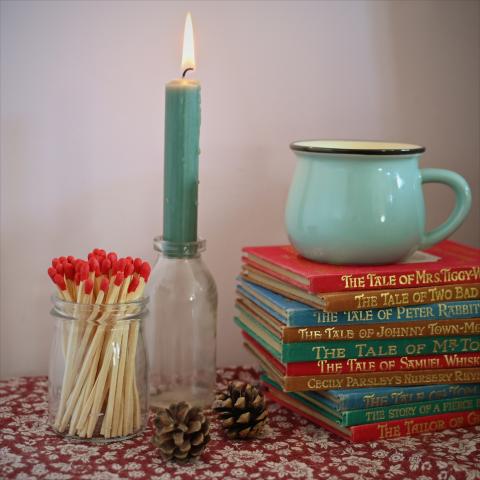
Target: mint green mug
359, 202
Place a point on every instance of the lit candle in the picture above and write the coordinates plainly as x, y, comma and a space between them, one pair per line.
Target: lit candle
182, 132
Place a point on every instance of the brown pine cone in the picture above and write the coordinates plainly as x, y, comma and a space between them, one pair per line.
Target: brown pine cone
181, 432
242, 410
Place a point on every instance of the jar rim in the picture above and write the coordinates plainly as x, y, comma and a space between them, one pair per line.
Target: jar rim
141, 302
66, 310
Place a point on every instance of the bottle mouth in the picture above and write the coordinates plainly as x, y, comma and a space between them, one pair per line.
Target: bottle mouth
356, 147
179, 250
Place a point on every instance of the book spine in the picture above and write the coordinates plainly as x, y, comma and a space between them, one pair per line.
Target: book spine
434, 311
414, 426
378, 397
411, 410
364, 300
381, 379
382, 364
337, 350
427, 328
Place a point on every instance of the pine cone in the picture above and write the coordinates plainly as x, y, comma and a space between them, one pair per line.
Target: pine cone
181, 432
242, 410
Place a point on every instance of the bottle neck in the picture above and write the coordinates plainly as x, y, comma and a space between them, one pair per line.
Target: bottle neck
179, 250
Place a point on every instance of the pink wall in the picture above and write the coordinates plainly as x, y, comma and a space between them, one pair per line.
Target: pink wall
82, 126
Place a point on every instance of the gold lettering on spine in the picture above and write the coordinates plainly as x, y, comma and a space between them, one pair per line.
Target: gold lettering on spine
416, 426
383, 299
473, 418
445, 275
387, 431
364, 350
353, 282
323, 353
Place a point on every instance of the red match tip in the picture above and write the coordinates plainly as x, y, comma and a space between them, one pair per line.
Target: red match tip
101, 252
71, 258
129, 259
93, 264
145, 271
58, 279
60, 268
77, 278
106, 264
69, 270
79, 264
114, 267
118, 279
62, 259
120, 266
104, 285
88, 286
51, 273
84, 271
129, 269
112, 256
133, 284
54, 262
137, 263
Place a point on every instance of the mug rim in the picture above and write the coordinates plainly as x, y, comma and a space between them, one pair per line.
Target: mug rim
356, 147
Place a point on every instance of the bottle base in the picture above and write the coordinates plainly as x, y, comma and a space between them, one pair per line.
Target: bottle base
198, 397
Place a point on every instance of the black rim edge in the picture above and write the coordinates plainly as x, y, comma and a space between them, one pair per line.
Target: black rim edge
355, 151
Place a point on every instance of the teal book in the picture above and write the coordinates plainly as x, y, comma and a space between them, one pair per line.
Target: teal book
363, 398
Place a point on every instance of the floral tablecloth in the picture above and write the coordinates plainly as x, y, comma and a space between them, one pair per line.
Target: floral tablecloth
290, 448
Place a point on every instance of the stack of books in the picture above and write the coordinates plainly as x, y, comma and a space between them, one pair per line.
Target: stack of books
368, 352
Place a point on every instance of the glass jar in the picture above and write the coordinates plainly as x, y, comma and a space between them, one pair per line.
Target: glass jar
98, 370
181, 328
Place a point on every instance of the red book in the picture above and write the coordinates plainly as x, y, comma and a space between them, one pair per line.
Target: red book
382, 430
447, 263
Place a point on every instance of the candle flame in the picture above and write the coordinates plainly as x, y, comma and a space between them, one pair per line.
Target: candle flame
188, 55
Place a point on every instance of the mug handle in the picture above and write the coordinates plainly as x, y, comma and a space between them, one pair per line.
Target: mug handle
463, 201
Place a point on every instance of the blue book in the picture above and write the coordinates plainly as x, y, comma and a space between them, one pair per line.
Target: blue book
296, 314
358, 398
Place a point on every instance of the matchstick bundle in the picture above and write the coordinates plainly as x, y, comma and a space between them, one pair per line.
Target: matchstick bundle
99, 394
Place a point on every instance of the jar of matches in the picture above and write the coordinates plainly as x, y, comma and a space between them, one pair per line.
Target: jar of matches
98, 366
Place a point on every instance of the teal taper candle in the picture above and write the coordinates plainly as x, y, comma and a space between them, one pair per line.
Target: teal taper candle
182, 132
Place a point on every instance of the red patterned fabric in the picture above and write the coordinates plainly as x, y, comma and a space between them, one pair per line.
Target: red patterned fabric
291, 448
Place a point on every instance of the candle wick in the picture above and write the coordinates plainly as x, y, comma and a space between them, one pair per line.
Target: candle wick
185, 72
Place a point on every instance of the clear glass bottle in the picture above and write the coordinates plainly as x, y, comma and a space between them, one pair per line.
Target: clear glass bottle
181, 329
98, 371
